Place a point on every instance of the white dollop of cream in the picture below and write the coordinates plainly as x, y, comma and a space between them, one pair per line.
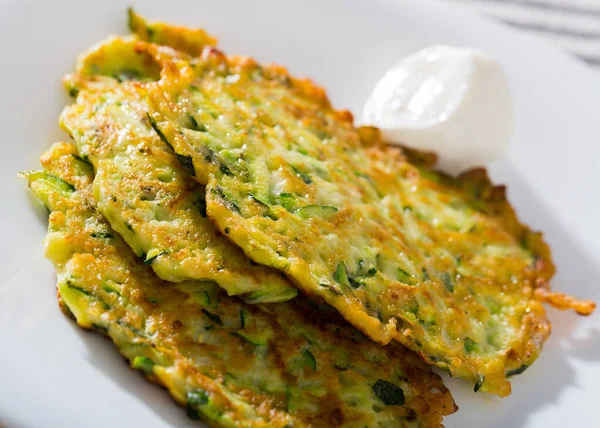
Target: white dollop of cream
449, 100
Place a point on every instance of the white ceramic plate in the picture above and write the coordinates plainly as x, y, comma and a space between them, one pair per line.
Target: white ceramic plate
52, 374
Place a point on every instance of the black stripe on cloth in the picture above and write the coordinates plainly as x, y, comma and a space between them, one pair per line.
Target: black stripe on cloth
592, 60
553, 30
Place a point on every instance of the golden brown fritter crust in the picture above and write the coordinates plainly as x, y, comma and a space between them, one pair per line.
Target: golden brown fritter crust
405, 253
140, 186
231, 363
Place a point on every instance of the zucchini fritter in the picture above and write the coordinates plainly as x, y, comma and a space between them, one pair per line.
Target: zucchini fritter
230, 363
140, 186
404, 253
188, 40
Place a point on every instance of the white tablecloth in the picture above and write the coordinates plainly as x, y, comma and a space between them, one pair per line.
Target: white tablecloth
572, 25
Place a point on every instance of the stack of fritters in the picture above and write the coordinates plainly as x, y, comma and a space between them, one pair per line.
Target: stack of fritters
204, 191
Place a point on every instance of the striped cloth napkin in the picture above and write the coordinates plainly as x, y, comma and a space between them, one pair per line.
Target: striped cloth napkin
572, 25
